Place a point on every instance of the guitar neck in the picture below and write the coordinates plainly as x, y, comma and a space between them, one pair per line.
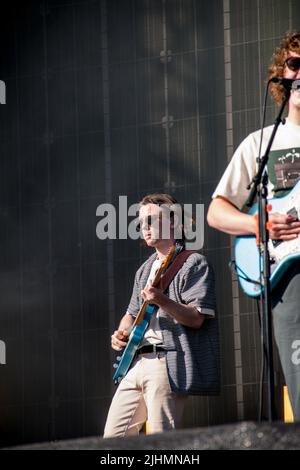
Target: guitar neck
140, 316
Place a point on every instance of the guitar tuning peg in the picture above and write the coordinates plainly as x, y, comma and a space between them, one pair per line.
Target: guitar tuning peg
119, 358
115, 366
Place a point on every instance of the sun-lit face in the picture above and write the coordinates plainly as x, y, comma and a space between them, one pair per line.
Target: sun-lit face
293, 75
151, 217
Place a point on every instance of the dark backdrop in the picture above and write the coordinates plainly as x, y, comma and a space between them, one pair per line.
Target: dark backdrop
108, 98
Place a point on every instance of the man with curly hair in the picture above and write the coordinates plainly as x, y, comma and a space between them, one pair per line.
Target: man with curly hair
225, 211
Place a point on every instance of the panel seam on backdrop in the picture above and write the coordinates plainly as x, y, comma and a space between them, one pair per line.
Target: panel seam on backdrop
52, 333
229, 151
168, 183
108, 169
79, 220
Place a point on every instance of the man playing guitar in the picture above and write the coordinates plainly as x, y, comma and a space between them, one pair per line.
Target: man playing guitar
284, 172
179, 354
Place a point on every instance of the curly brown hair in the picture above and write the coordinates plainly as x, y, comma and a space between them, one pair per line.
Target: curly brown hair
290, 42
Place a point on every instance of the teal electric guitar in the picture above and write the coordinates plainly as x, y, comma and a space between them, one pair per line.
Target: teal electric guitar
282, 253
141, 323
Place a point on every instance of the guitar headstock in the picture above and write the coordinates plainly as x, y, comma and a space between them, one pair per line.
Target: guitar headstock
168, 257
172, 253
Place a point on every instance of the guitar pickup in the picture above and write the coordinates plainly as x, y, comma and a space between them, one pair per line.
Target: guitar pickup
293, 212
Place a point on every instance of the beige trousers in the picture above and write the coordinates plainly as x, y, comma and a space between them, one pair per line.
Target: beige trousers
144, 395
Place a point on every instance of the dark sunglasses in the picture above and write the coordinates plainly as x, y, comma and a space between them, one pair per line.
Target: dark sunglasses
148, 221
293, 63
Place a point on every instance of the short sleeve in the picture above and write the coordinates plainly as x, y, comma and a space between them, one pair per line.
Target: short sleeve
206, 311
140, 280
134, 304
198, 287
239, 173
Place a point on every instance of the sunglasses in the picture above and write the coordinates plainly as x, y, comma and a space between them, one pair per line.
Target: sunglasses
293, 63
148, 221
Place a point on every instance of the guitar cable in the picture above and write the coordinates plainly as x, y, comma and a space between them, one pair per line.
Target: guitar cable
241, 274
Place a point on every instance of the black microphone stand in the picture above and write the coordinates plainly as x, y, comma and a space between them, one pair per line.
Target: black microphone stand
260, 188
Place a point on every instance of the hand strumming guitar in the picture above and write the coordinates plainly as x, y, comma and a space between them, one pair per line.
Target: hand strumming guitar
119, 339
120, 336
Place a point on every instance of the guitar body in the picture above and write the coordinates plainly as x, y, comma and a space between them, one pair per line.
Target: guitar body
283, 254
134, 341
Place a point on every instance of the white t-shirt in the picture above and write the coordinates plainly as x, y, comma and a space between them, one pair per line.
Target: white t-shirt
242, 167
153, 334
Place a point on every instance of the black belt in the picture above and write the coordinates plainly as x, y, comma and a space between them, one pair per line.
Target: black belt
151, 348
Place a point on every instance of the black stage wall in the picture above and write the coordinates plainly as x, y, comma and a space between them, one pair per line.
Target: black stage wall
107, 98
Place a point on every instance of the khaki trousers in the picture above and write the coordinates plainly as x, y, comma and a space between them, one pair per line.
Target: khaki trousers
144, 395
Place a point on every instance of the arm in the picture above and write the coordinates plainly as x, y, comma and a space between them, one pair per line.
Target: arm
224, 216
185, 314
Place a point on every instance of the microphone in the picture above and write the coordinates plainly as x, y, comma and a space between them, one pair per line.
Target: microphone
287, 83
